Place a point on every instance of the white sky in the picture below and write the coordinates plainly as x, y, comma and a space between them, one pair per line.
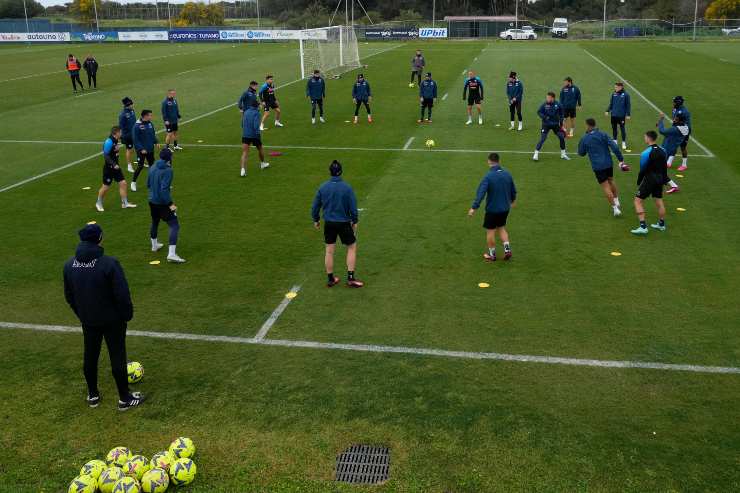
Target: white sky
47, 3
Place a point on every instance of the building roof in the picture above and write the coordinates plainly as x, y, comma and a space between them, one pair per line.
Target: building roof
480, 18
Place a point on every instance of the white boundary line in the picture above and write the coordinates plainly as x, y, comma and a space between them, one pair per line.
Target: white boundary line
372, 348
276, 314
187, 71
408, 143
73, 163
699, 144
445, 96
89, 92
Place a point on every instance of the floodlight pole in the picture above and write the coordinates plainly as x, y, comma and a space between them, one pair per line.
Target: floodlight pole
95, 7
258, 14
434, 11
25, 14
696, 15
603, 30
516, 14
169, 15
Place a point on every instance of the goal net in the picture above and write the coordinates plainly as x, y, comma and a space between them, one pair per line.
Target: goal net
332, 50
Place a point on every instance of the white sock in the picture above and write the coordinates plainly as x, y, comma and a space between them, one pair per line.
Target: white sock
492, 251
562, 152
512, 124
616, 201
685, 161
520, 125
507, 246
123, 201
670, 160
673, 184
172, 250
154, 242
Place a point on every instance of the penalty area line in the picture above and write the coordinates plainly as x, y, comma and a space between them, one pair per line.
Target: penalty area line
276, 313
373, 348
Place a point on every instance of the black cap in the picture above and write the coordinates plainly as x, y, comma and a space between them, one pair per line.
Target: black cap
127, 101
678, 100
360, 76
165, 154
335, 168
512, 74
429, 74
91, 233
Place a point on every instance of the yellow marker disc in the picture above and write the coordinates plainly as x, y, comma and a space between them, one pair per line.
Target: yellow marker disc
484, 285
680, 209
200, 141
86, 188
616, 254
628, 150
347, 121
92, 222
679, 176
154, 262
291, 295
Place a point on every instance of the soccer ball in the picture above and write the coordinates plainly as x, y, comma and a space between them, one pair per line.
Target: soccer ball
83, 484
182, 447
135, 372
93, 469
162, 460
127, 484
183, 471
108, 479
411, 84
136, 466
117, 456
155, 481
430, 143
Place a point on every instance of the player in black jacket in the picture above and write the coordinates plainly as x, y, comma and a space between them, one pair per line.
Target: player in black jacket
90, 65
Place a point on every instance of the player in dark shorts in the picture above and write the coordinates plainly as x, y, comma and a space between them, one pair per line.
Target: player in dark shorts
269, 102
112, 171
145, 139
570, 98
514, 97
251, 135
650, 182
679, 110
500, 193
473, 93
427, 95
161, 206
338, 201
127, 120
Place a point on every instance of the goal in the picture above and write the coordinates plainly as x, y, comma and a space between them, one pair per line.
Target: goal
332, 50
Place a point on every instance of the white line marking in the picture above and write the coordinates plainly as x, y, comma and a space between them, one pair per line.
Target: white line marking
187, 71
701, 146
69, 165
408, 143
372, 348
276, 314
445, 96
89, 92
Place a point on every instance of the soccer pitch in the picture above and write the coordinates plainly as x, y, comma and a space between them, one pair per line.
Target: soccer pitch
575, 370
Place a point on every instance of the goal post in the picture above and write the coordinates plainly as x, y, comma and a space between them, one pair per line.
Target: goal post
332, 50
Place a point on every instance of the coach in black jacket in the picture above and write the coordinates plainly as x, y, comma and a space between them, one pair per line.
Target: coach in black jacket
90, 65
96, 290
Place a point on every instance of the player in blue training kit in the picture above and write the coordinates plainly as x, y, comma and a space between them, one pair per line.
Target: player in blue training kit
551, 114
269, 102
650, 181
620, 110
674, 136
570, 98
427, 96
171, 116
515, 96
161, 206
361, 94
473, 93
145, 138
680, 110
316, 92
112, 171
126, 121
251, 135
248, 97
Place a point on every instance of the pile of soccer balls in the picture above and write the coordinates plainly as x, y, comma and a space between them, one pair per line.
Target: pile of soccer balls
124, 472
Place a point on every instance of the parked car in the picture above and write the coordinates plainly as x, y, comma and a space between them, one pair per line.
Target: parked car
517, 34
732, 32
559, 28
527, 28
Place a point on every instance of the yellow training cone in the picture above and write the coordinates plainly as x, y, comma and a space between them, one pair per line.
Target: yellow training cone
679, 176
680, 209
154, 262
484, 285
291, 295
616, 254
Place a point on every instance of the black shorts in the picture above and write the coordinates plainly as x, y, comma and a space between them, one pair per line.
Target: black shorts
343, 230
172, 127
685, 140
495, 220
474, 99
252, 141
147, 158
650, 187
128, 141
569, 112
161, 212
618, 120
604, 174
270, 104
112, 174
427, 103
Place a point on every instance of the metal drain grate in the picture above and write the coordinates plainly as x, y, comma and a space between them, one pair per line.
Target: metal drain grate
364, 464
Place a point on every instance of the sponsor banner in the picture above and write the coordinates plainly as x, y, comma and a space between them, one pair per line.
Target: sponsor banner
142, 35
192, 35
432, 32
34, 37
406, 33
95, 37
272, 35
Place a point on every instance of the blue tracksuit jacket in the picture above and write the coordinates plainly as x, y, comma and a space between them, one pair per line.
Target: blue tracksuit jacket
267, 93
338, 201
170, 110
361, 91
144, 136
597, 145
570, 97
247, 99
251, 123
674, 135
620, 105
551, 114
498, 188
428, 89
159, 182
682, 111
316, 88
515, 90
126, 120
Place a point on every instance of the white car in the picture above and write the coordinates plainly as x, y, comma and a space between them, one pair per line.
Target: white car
517, 34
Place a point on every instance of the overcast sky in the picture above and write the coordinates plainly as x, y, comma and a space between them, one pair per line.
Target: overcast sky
47, 3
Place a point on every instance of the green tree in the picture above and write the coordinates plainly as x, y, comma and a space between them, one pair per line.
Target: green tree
84, 10
13, 9
723, 9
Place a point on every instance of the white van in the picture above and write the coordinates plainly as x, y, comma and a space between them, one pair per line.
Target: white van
559, 28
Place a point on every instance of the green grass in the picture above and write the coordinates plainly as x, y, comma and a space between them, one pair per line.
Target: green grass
272, 419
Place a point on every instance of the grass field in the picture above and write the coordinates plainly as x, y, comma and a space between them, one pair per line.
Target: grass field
271, 415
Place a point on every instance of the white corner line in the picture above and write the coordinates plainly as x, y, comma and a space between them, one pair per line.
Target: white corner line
187, 71
408, 143
372, 348
51, 171
653, 105
276, 314
89, 93
445, 96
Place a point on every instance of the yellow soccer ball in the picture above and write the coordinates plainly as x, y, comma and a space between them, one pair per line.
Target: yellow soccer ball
117, 456
127, 484
182, 447
411, 84
83, 484
93, 469
155, 481
108, 479
182, 472
136, 466
135, 372
162, 460
430, 143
